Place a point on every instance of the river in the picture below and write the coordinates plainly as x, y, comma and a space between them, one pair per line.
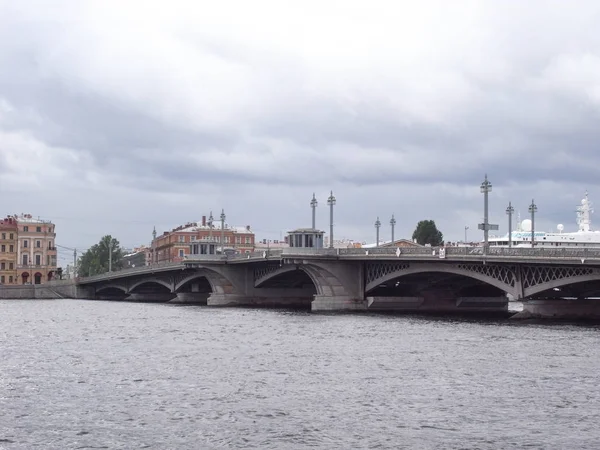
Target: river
91, 374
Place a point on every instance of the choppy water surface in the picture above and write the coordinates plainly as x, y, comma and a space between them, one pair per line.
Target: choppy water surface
77, 374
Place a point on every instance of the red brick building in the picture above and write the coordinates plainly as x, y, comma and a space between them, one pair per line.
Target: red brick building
175, 245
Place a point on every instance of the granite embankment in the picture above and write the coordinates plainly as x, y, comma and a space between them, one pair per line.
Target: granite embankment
53, 290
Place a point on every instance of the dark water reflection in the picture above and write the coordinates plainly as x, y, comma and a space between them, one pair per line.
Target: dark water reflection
78, 374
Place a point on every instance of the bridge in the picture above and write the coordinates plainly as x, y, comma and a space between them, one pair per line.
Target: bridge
551, 282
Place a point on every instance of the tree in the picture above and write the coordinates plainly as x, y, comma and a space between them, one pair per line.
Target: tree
427, 233
96, 260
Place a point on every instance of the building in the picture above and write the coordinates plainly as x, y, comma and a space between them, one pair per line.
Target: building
175, 245
36, 250
136, 257
8, 250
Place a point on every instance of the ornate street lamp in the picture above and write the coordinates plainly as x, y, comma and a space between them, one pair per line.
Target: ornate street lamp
510, 210
313, 205
393, 225
222, 217
331, 203
377, 226
532, 210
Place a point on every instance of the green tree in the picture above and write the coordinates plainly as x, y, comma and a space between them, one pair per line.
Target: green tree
427, 233
96, 260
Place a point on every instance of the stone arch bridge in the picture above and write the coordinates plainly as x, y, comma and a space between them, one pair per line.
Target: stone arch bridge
451, 279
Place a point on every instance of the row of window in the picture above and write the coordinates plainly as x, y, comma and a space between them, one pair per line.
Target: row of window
38, 244
11, 266
11, 236
25, 260
217, 238
3, 279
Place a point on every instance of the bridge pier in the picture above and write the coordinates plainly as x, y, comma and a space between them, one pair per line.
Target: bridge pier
197, 298
150, 297
583, 309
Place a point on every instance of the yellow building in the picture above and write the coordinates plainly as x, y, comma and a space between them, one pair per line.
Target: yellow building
8, 250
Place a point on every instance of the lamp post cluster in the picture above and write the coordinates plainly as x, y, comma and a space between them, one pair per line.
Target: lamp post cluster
486, 188
331, 203
378, 226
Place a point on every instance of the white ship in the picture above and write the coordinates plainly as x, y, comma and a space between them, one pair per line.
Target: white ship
584, 237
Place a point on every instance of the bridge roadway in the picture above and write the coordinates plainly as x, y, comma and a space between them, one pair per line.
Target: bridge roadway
551, 282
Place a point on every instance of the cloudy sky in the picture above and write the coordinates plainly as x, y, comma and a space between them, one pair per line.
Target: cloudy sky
116, 116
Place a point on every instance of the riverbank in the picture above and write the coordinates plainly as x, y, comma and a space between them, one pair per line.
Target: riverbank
54, 290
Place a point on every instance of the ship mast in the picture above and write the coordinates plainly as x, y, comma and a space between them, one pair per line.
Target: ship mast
584, 212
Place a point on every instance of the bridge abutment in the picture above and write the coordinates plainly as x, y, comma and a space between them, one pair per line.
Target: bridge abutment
196, 298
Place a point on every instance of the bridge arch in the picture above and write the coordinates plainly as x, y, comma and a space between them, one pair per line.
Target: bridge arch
269, 273
139, 283
113, 287
559, 277
501, 277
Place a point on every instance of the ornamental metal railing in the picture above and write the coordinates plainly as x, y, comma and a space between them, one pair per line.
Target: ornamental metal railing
471, 253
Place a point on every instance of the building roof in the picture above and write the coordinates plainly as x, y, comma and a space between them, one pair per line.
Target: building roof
28, 218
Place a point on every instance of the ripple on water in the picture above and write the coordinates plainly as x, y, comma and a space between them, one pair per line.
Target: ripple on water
129, 375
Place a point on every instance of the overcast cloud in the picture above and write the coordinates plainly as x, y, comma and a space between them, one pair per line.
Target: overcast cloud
118, 116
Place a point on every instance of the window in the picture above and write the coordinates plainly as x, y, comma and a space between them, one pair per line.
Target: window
12, 236
3, 248
11, 249
11, 266
227, 239
193, 238
181, 253
3, 266
238, 240
38, 260
25, 244
10, 279
25, 228
38, 229
248, 240
38, 244
25, 260
181, 238
2, 279
3, 235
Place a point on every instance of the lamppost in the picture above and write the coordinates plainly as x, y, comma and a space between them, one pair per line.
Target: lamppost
377, 225
110, 250
510, 210
154, 258
210, 231
532, 210
331, 203
466, 228
222, 217
313, 205
486, 188
393, 225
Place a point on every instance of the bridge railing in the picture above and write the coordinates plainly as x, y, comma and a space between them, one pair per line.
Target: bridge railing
130, 271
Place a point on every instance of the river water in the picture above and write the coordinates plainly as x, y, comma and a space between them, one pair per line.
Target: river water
90, 374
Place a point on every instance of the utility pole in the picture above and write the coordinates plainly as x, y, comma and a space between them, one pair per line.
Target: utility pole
74, 263
486, 188
510, 210
110, 249
222, 231
532, 210
331, 203
377, 225
313, 205
393, 224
